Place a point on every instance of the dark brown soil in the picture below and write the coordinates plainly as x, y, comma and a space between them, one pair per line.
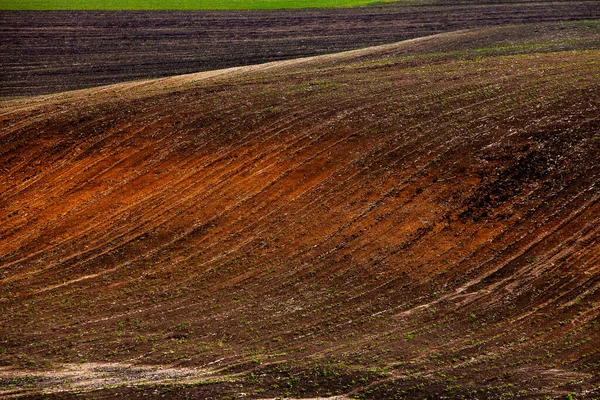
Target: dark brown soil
45, 52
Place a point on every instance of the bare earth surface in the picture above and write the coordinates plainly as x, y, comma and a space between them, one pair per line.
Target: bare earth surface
46, 52
417, 220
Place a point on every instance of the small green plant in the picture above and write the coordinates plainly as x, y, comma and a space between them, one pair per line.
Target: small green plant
182, 327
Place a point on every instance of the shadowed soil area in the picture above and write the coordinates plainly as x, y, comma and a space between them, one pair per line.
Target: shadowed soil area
416, 220
47, 52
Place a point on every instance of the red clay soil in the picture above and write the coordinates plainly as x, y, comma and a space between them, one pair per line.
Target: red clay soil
46, 52
398, 222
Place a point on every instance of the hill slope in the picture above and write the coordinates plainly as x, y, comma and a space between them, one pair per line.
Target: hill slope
413, 220
54, 51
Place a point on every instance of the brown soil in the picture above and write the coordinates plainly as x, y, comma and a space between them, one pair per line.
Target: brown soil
45, 52
409, 221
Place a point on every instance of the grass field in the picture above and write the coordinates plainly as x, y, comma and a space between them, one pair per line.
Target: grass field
176, 4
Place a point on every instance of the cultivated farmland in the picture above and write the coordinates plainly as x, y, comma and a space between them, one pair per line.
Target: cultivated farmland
53, 51
415, 220
46, 5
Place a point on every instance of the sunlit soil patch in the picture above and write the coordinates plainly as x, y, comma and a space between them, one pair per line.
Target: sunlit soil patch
89, 376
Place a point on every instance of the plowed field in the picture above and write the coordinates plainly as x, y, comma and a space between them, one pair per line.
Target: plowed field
47, 52
415, 220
